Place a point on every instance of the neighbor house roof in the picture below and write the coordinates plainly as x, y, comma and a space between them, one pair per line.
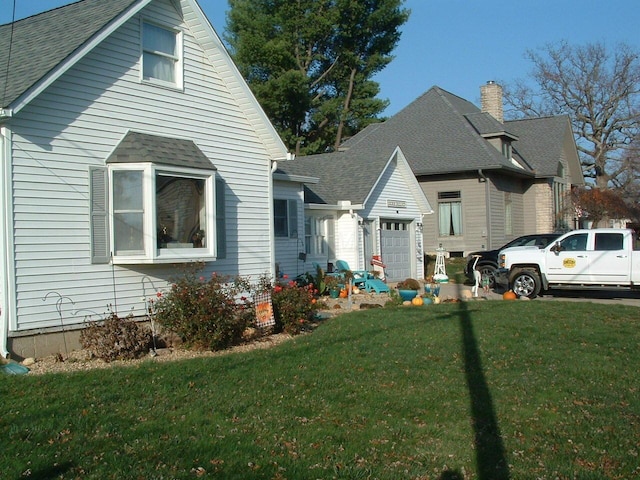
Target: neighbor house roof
352, 176
439, 133
341, 175
541, 141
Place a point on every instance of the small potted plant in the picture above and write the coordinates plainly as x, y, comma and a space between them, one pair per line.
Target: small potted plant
332, 286
408, 289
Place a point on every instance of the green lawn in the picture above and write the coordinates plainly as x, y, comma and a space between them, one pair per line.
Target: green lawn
487, 390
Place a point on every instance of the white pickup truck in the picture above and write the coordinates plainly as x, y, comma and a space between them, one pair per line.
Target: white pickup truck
599, 258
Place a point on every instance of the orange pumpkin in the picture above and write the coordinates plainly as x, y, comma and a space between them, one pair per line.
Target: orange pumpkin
509, 295
344, 293
417, 301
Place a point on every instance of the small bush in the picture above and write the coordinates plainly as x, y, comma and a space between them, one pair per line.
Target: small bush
116, 339
293, 306
205, 314
409, 284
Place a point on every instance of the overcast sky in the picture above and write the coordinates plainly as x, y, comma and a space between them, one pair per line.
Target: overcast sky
461, 44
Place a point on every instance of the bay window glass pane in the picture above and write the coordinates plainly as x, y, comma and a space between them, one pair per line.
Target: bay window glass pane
180, 212
128, 212
128, 238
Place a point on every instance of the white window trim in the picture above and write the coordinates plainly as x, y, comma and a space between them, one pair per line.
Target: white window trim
153, 254
179, 59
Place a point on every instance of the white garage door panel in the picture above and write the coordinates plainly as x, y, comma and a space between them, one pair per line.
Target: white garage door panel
396, 251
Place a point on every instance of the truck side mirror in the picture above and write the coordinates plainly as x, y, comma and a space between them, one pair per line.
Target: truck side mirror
556, 247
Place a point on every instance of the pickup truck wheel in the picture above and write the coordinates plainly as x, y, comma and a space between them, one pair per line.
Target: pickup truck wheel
526, 283
488, 271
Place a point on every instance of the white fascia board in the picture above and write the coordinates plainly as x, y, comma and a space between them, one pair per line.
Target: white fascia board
273, 142
321, 206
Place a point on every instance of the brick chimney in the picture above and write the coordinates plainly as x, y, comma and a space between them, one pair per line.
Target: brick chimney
491, 99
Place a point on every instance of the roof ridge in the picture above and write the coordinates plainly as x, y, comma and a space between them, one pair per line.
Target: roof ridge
491, 151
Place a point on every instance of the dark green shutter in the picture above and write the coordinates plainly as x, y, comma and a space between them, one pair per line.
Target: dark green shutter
293, 218
221, 220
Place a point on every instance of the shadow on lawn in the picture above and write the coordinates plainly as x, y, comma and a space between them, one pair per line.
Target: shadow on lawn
54, 471
490, 455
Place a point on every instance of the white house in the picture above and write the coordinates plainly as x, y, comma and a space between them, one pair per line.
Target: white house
361, 207
129, 144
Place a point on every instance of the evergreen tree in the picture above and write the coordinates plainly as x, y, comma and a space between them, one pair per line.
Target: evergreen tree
310, 63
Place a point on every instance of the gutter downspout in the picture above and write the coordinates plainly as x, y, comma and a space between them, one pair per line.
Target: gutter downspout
5, 240
487, 195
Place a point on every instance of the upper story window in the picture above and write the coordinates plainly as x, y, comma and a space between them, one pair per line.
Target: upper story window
285, 218
161, 55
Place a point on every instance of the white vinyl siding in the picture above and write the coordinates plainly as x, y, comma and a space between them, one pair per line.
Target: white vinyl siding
76, 123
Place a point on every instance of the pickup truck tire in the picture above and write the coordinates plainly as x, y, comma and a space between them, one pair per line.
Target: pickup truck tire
526, 283
488, 270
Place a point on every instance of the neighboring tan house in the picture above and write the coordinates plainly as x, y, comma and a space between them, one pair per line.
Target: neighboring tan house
356, 207
129, 143
488, 180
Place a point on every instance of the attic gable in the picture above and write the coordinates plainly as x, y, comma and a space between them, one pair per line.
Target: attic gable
437, 137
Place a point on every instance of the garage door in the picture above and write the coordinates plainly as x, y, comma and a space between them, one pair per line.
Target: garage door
396, 251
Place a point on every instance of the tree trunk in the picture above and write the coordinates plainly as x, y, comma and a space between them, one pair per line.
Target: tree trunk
345, 110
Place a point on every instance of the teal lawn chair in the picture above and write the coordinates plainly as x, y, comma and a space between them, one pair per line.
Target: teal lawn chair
362, 278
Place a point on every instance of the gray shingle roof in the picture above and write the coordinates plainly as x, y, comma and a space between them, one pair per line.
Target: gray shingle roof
41, 42
346, 175
438, 133
540, 142
437, 137
141, 147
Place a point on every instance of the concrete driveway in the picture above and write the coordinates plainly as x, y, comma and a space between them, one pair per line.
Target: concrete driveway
616, 297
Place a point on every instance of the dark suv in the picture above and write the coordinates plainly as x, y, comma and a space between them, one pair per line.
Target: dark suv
488, 261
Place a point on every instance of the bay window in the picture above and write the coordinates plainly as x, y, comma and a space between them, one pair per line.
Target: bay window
154, 214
